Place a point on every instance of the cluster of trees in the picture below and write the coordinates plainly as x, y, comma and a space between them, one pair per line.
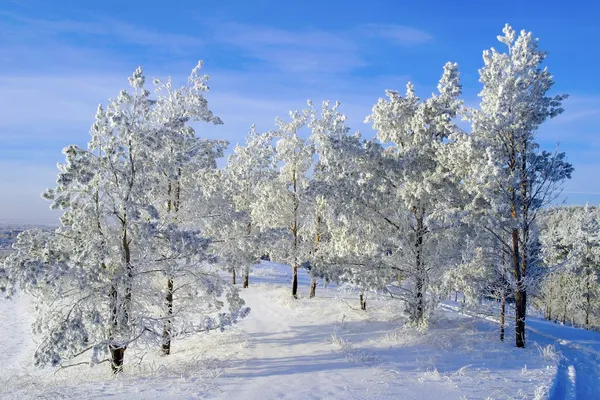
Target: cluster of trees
130, 264
570, 289
423, 207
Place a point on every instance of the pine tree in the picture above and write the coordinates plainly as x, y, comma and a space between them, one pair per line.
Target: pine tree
511, 177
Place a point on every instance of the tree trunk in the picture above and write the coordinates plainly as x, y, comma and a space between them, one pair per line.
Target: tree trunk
456, 296
363, 302
295, 281
172, 207
525, 240
126, 303
166, 336
245, 284
313, 288
313, 282
117, 353
295, 235
419, 314
520, 300
549, 301
502, 313
233, 276
589, 303
117, 357
520, 316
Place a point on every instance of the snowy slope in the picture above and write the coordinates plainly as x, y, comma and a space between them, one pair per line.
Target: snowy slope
321, 348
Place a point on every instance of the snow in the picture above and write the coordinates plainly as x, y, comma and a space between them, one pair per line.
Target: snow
322, 348
578, 374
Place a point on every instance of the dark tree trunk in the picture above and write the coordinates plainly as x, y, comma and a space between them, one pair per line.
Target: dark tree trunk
126, 304
166, 336
420, 268
522, 304
245, 284
233, 276
588, 305
117, 356
520, 300
313, 288
549, 302
419, 296
363, 302
502, 313
295, 281
295, 235
456, 296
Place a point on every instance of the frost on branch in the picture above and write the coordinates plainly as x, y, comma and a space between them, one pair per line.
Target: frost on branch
124, 268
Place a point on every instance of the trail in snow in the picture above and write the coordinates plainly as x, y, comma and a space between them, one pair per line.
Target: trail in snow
578, 371
293, 353
578, 375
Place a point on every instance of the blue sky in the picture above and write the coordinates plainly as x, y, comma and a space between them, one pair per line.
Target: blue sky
60, 59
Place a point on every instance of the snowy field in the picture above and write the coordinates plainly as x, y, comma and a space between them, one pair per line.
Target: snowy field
322, 348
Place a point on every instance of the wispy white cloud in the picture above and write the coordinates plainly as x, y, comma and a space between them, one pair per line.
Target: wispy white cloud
119, 32
398, 34
313, 50
579, 108
36, 100
292, 51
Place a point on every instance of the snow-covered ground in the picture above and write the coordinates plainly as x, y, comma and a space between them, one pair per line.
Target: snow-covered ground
322, 348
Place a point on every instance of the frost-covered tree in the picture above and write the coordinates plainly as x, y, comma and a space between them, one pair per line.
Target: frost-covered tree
327, 128
238, 242
586, 260
392, 206
281, 202
482, 273
283, 198
415, 195
182, 161
98, 278
571, 252
509, 177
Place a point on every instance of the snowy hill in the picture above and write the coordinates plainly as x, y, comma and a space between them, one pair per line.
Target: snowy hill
320, 348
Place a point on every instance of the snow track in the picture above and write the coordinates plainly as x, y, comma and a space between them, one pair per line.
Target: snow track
578, 371
578, 375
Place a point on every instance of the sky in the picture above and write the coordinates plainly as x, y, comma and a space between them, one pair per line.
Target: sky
60, 59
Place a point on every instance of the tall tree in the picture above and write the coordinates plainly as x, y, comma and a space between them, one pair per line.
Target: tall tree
417, 192
510, 177
181, 159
